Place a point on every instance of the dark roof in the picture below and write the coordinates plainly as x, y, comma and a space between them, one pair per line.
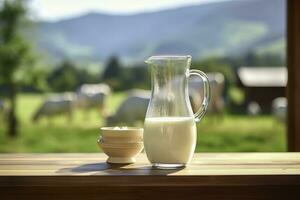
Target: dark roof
263, 76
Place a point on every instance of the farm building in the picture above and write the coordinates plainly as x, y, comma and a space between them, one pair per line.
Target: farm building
262, 84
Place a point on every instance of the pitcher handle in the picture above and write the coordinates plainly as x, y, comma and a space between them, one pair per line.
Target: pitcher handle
206, 93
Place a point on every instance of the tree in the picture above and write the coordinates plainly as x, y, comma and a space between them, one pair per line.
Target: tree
215, 64
112, 72
67, 76
136, 76
112, 69
64, 77
15, 54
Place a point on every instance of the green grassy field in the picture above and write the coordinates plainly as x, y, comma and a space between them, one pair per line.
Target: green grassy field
228, 134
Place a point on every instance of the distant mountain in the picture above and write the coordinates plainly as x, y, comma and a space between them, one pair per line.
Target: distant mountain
221, 28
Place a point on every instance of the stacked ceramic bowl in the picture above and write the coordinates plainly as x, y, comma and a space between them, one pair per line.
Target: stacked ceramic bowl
121, 145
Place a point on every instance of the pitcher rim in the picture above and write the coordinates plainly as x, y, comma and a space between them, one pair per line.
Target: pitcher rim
168, 57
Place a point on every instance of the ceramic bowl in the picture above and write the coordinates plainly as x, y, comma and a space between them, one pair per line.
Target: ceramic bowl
121, 145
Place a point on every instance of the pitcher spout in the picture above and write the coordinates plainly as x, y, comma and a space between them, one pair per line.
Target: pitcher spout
148, 60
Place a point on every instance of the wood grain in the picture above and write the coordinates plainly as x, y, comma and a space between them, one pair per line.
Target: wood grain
209, 176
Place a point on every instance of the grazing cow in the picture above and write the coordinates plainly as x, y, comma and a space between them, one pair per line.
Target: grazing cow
217, 83
253, 108
279, 108
92, 96
131, 110
56, 105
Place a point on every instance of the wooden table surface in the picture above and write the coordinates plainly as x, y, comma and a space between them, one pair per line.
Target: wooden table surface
210, 175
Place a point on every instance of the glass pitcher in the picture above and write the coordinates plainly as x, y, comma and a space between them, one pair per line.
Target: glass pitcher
170, 133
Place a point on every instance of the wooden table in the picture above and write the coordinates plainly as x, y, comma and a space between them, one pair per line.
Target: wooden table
209, 176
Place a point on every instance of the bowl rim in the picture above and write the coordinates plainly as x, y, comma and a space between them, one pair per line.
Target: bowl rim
128, 128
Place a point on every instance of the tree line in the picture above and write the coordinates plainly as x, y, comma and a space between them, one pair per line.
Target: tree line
68, 75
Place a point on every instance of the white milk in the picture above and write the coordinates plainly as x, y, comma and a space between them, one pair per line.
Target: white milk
170, 140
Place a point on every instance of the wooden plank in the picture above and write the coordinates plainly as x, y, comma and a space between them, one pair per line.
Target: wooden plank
203, 164
293, 63
209, 176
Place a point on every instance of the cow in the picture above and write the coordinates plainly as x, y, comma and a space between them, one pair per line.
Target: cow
56, 105
133, 109
217, 82
279, 108
253, 108
91, 96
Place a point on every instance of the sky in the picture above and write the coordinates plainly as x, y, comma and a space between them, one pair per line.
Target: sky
52, 10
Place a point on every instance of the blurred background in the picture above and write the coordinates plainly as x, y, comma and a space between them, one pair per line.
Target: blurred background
68, 68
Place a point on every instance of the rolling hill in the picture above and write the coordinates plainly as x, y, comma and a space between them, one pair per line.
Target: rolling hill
221, 28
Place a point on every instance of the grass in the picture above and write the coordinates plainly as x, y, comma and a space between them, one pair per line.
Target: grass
241, 133
215, 134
